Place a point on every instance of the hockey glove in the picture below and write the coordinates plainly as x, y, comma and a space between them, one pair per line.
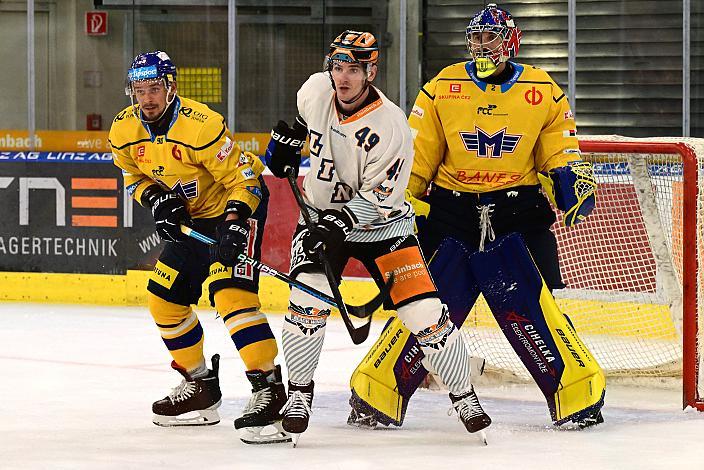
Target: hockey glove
284, 149
232, 236
169, 212
421, 208
572, 189
331, 230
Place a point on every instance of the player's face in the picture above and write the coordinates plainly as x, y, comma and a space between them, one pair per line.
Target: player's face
484, 43
152, 97
349, 79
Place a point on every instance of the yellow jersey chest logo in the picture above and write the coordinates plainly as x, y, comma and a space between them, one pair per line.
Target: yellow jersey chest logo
489, 145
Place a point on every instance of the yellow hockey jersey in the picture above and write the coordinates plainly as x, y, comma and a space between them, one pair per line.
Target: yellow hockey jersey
197, 159
473, 136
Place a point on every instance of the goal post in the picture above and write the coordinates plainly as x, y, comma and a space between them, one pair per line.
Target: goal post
633, 269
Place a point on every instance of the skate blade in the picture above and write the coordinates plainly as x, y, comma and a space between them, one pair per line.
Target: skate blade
482, 438
294, 439
271, 434
207, 417
362, 422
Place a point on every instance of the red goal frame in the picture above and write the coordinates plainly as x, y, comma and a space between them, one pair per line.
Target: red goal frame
690, 352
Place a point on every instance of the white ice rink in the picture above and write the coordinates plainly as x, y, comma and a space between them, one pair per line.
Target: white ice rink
78, 383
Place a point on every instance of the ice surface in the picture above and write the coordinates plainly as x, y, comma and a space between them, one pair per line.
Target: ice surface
78, 383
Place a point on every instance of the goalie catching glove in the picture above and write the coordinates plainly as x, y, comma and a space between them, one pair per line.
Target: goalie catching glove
284, 149
572, 189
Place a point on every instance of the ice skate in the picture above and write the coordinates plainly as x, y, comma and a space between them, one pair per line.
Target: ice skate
194, 402
590, 420
260, 422
470, 412
297, 410
362, 420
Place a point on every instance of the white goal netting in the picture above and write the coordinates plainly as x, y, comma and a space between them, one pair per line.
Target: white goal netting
626, 265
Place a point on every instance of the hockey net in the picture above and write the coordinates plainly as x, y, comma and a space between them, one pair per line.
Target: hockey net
633, 268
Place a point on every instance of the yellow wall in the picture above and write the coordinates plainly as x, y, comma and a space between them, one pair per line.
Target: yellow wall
102, 289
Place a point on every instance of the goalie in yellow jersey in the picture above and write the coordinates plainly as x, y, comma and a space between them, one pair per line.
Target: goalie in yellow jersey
179, 160
487, 133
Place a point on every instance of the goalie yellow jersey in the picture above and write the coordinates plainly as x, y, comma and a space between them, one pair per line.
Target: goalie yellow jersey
473, 136
197, 159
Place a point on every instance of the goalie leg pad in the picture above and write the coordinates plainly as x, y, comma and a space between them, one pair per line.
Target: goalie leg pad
381, 382
566, 372
392, 370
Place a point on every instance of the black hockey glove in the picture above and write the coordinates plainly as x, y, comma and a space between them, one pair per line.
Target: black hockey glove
232, 236
331, 230
169, 213
284, 149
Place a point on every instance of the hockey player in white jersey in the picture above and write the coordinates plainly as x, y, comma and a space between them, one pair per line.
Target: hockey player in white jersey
361, 155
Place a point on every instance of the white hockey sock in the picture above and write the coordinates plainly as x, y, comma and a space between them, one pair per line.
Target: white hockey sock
304, 329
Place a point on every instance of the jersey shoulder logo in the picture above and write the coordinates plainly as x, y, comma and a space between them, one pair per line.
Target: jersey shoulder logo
489, 145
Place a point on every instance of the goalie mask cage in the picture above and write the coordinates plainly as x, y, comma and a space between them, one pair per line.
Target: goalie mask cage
633, 269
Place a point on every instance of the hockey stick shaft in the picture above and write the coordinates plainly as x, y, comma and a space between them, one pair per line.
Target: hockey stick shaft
358, 334
265, 268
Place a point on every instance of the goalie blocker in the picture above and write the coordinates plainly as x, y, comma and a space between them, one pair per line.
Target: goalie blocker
542, 336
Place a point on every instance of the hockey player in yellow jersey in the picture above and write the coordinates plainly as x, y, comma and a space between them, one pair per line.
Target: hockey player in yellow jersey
487, 133
179, 160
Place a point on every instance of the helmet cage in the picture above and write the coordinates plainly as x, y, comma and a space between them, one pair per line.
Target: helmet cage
500, 22
151, 68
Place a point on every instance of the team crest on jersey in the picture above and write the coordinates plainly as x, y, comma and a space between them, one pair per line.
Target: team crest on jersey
307, 319
187, 190
382, 192
489, 145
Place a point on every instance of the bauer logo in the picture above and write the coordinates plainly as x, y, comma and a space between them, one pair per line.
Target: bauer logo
142, 73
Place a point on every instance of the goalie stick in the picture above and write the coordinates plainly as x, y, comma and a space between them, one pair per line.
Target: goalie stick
360, 311
358, 334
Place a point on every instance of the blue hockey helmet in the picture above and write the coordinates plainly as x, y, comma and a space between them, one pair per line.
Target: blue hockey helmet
149, 66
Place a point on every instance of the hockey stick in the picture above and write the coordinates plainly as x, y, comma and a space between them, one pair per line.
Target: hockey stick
358, 335
362, 311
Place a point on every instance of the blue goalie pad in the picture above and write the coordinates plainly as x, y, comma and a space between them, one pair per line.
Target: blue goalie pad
457, 289
543, 337
383, 398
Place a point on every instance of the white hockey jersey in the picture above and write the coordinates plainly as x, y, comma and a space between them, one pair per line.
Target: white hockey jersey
362, 163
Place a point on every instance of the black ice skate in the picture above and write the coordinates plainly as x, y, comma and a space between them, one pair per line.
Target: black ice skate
470, 412
590, 420
361, 419
297, 410
260, 422
192, 397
